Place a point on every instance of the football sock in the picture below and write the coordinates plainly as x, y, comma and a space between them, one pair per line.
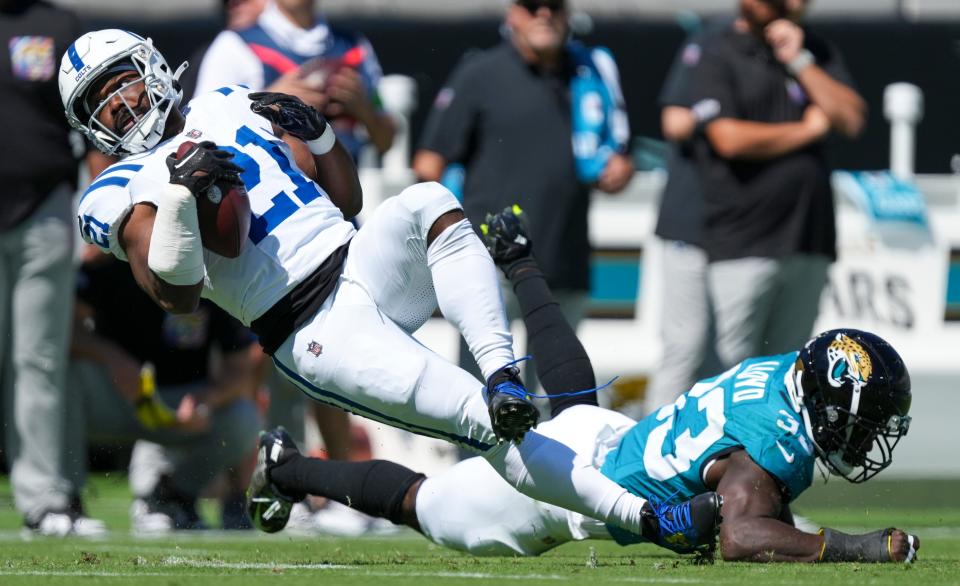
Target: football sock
468, 294
561, 361
549, 471
374, 487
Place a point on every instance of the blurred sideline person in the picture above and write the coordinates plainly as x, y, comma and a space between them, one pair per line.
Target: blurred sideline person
335, 307
38, 172
233, 15
768, 93
293, 50
752, 434
289, 48
686, 317
558, 132
203, 372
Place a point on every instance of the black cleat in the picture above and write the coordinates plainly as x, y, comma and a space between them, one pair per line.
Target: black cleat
511, 412
688, 527
505, 236
269, 508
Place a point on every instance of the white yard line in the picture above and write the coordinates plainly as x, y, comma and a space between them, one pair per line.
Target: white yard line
360, 570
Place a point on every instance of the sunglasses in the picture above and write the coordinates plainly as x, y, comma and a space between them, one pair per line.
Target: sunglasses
532, 6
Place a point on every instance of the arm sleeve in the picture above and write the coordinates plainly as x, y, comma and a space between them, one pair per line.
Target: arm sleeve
453, 116
713, 93
101, 212
229, 61
786, 457
676, 90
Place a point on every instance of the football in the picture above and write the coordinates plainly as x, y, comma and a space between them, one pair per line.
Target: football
224, 215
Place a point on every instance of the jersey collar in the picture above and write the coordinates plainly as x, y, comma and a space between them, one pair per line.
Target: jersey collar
312, 41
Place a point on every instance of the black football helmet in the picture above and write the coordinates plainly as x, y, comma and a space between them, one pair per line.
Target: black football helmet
857, 392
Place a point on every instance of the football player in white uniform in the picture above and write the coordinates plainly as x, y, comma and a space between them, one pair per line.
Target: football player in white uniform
335, 307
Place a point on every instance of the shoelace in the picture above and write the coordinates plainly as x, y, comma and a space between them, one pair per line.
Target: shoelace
514, 390
673, 518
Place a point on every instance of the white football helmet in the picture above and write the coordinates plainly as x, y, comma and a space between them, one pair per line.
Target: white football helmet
104, 53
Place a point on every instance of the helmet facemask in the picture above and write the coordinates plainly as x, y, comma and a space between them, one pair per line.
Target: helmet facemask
853, 446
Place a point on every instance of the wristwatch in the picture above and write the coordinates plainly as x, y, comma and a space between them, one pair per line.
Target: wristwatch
798, 63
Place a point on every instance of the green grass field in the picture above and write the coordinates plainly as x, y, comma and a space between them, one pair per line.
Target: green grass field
198, 559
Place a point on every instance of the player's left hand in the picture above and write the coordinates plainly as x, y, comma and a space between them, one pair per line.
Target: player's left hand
903, 546
616, 174
786, 39
202, 166
289, 113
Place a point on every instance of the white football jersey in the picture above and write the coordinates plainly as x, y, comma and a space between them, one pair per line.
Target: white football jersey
293, 226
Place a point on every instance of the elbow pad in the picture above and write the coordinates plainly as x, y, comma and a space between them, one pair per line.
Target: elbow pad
176, 253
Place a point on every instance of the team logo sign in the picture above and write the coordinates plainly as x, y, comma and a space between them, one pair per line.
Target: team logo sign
32, 58
848, 362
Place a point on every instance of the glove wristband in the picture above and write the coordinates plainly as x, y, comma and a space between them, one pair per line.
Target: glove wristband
322, 144
803, 59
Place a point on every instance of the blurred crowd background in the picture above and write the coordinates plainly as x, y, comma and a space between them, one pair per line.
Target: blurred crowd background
177, 400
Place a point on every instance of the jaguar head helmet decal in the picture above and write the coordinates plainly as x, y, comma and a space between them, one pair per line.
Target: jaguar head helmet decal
848, 362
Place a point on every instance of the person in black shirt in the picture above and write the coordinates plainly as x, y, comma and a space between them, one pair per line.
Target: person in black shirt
511, 116
38, 172
769, 93
204, 371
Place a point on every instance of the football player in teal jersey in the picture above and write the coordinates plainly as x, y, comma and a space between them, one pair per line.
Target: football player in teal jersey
752, 434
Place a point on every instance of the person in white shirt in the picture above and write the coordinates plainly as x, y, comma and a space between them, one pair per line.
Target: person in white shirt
292, 50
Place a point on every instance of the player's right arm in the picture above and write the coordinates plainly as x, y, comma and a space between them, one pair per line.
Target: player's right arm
162, 241
135, 237
753, 529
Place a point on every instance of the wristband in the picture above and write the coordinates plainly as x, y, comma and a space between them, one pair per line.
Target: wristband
800, 62
842, 547
176, 253
323, 143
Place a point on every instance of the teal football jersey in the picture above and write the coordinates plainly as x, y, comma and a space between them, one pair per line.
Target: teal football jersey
664, 455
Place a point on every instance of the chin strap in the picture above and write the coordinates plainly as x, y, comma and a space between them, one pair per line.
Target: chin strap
183, 67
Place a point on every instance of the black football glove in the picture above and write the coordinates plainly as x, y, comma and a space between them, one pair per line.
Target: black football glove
290, 114
202, 166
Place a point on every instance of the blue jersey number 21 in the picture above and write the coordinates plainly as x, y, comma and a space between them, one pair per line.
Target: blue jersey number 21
283, 205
